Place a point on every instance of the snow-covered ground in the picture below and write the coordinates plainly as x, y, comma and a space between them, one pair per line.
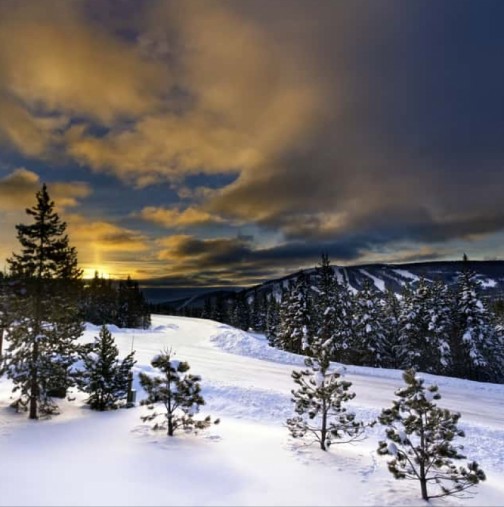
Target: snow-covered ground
83, 457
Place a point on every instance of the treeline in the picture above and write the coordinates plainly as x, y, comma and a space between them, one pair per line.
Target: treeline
106, 301
429, 327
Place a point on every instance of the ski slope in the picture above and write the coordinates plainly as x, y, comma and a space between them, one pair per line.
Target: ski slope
83, 457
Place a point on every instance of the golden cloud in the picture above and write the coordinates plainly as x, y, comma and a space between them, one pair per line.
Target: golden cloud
176, 218
55, 58
18, 189
246, 101
102, 236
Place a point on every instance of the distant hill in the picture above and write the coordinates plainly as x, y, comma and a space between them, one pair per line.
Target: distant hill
384, 276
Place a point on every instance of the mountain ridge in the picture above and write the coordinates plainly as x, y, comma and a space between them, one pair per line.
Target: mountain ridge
384, 276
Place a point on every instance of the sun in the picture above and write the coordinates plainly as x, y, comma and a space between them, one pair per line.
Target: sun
89, 272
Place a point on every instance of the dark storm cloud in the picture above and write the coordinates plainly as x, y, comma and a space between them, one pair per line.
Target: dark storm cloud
411, 145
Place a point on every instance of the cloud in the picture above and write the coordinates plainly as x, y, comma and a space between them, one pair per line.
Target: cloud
353, 127
18, 189
56, 59
177, 218
104, 237
176, 99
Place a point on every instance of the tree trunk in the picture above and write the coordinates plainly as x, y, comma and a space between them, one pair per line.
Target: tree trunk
323, 433
170, 425
423, 486
34, 383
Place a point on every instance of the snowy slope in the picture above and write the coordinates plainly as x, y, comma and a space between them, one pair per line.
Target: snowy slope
87, 458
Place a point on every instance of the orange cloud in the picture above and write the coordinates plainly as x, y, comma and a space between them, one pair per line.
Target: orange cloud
246, 101
178, 218
18, 189
102, 236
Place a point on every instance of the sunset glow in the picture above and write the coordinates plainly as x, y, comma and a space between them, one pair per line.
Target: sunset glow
196, 143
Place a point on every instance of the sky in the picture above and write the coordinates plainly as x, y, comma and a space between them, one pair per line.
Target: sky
204, 143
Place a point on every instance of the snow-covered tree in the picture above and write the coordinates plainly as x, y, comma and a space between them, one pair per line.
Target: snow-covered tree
420, 439
325, 307
342, 320
319, 405
295, 330
368, 342
392, 353
426, 325
178, 391
105, 377
45, 306
477, 349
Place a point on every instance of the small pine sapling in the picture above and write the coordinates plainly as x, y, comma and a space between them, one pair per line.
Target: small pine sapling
319, 403
105, 378
178, 391
419, 437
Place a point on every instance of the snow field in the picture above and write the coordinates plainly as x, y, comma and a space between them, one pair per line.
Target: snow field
82, 457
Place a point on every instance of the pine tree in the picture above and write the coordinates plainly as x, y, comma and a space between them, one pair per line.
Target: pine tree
478, 351
368, 327
392, 352
45, 310
5, 309
104, 377
239, 312
133, 310
295, 333
325, 306
100, 301
272, 320
219, 312
342, 321
178, 391
420, 436
426, 327
319, 403
258, 312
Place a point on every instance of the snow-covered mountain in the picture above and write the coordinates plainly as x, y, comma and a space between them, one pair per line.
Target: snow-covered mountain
82, 457
396, 276
384, 277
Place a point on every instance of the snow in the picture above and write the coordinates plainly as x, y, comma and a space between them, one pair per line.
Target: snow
406, 274
83, 457
379, 284
488, 283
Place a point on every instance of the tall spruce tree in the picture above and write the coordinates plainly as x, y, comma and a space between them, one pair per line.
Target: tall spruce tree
420, 439
368, 344
477, 349
325, 307
45, 310
104, 377
178, 391
426, 327
296, 325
